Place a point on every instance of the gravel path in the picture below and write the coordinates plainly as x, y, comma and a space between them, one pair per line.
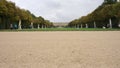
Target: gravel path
60, 49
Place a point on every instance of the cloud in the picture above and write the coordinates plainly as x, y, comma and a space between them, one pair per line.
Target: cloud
59, 10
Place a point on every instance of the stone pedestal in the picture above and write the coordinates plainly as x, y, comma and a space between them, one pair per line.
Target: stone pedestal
110, 23
38, 26
86, 25
75, 26
94, 24
42, 26
78, 26
32, 25
118, 0
119, 25
19, 25
81, 26
104, 27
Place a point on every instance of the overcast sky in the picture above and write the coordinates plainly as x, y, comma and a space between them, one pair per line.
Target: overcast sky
59, 10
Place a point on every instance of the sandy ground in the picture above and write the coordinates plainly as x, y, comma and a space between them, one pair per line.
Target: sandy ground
60, 49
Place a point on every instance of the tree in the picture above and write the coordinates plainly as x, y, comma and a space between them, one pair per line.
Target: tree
102, 15
11, 14
110, 1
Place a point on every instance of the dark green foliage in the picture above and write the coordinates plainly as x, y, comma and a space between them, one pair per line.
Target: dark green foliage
109, 1
101, 16
11, 14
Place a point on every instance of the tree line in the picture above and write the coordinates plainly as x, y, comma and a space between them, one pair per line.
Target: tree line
105, 16
11, 16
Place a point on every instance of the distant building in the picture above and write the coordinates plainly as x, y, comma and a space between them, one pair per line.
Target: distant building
60, 24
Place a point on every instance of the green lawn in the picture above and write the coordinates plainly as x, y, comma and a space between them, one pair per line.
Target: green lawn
65, 29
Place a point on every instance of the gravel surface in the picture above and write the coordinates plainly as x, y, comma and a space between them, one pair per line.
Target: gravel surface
72, 49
